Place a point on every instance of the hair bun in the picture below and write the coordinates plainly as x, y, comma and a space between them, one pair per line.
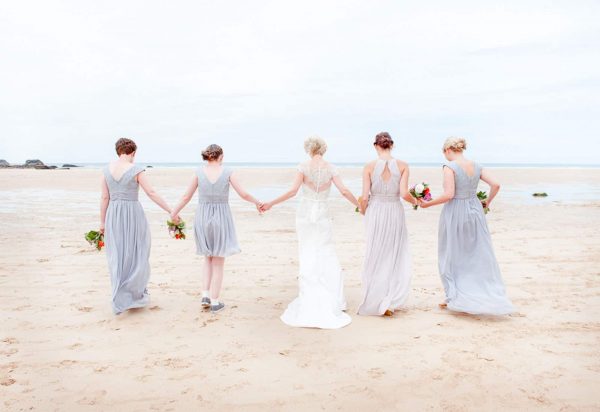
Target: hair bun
384, 140
456, 144
212, 152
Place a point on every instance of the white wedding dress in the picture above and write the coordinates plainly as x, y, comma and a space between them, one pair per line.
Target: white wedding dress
320, 302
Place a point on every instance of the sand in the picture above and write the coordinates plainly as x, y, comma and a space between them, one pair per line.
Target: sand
61, 348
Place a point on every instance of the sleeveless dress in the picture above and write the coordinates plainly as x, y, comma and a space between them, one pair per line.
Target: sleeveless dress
213, 226
320, 302
387, 272
467, 264
127, 241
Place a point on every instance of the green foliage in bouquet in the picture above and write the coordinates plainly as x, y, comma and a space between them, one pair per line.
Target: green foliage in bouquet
482, 196
95, 238
176, 230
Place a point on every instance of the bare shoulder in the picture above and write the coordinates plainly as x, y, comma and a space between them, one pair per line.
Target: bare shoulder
402, 165
370, 166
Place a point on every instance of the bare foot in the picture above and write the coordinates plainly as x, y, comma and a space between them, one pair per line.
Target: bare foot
388, 313
443, 305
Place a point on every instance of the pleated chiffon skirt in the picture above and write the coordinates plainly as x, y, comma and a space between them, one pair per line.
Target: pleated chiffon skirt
214, 230
386, 273
468, 268
127, 239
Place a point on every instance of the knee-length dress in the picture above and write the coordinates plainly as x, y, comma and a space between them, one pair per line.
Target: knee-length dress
386, 274
127, 240
467, 263
213, 225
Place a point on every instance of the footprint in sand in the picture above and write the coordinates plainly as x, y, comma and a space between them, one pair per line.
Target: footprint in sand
92, 398
376, 373
84, 309
75, 346
10, 341
43, 260
156, 308
7, 381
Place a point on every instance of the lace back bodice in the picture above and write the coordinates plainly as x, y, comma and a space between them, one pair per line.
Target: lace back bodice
317, 180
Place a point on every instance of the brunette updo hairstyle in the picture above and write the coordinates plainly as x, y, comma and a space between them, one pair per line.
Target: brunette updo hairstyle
212, 152
125, 146
384, 140
456, 144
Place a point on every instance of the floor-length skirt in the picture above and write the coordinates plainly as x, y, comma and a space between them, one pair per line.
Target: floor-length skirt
468, 268
320, 302
127, 239
386, 273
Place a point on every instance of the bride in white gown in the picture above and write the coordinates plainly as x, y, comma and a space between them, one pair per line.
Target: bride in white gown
320, 302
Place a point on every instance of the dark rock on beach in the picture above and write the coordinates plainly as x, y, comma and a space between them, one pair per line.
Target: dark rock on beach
4, 163
67, 165
34, 164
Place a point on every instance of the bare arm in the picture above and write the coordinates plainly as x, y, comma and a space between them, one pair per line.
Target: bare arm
448, 190
240, 191
337, 181
187, 196
404, 193
494, 185
104, 199
366, 188
152, 194
287, 195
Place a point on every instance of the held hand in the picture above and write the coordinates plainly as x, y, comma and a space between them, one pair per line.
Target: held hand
265, 207
175, 218
423, 204
259, 206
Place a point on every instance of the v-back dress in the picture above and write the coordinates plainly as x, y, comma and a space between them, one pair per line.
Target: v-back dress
386, 273
214, 228
467, 263
127, 240
320, 302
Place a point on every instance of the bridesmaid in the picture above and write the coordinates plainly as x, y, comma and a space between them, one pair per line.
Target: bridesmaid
466, 260
213, 227
126, 231
386, 273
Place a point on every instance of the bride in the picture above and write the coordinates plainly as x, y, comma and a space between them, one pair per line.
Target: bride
320, 302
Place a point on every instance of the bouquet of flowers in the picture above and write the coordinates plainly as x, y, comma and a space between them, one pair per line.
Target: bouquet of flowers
420, 191
482, 196
176, 230
95, 238
357, 210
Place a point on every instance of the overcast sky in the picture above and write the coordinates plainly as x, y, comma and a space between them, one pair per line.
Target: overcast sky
519, 79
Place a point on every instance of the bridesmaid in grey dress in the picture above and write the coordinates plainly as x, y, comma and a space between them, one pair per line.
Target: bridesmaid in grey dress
467, 264
126, 232
386, 273
213, 226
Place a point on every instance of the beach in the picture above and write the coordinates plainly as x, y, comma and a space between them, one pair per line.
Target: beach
62, 349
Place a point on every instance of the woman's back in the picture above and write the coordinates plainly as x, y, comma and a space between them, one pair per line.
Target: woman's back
126, 187
466, 179
385, 178
318, 177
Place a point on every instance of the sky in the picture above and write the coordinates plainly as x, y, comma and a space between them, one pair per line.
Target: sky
520, 80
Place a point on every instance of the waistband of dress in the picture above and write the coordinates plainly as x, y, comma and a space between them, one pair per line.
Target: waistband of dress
465, 196
212, 201
120, 199
385, 198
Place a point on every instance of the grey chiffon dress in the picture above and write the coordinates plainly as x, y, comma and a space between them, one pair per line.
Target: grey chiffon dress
468, 268
213, 226
127, 241
386, 273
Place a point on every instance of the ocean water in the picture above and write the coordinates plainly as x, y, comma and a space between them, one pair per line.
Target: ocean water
262, 165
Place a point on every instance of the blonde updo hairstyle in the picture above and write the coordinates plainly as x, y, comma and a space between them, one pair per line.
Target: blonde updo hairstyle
315, 146
212, 152
456, 144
